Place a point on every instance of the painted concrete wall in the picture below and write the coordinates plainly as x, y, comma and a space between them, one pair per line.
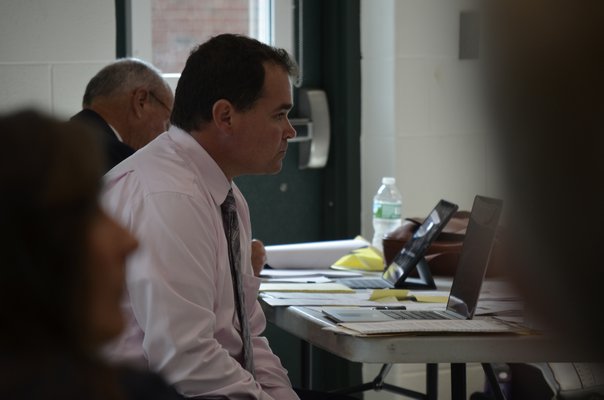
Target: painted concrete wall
49, 50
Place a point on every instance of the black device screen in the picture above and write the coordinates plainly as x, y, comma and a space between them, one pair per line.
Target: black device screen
406, 260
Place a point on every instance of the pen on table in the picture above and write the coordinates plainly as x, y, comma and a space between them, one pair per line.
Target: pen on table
390, 308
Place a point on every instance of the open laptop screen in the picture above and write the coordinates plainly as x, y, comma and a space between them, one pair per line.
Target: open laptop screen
415, 248
474, 256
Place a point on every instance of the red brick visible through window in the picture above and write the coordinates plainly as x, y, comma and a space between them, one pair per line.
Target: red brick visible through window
180, 25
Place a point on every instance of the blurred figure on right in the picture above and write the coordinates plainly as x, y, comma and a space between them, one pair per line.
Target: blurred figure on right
545, 69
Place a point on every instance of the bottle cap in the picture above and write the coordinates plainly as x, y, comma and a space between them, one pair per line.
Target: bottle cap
388, 180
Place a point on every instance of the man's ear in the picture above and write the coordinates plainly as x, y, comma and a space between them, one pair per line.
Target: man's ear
137, 102
222, 115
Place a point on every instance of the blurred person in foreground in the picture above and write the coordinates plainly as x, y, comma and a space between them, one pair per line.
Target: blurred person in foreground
62, 271
128, 104
545, 63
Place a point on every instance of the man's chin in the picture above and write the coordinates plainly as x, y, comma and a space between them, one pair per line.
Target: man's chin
274, 172
275, 169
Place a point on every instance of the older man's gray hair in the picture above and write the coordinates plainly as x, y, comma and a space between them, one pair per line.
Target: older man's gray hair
122, 76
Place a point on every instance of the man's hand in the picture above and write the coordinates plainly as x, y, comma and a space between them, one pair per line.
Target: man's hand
258, 256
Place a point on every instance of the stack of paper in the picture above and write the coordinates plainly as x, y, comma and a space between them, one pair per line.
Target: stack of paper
287, 294
304, 275
305, 287
483, 325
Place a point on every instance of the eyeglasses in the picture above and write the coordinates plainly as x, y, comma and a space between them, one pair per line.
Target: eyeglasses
160, 102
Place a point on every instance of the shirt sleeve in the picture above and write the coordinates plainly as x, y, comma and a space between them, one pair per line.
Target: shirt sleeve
174, 287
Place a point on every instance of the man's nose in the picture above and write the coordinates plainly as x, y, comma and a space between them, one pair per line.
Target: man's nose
290, 132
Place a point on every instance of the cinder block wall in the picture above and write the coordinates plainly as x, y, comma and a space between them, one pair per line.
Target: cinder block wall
423, 118
50, 49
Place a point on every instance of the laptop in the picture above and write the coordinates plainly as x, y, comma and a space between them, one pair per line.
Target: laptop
410, 257
465, 289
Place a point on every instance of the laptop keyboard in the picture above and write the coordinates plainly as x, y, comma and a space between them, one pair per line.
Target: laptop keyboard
414, 314
364, 283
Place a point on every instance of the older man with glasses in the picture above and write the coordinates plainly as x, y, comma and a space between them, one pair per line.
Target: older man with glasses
129, 104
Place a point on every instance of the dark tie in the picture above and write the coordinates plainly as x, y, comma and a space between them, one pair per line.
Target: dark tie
231, 230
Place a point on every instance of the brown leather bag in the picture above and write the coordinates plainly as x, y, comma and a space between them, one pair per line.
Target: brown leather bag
443, 253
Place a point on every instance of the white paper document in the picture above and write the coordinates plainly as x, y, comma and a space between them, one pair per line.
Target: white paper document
305, 287
303, 301
494, 307
298, 279
277, 299
298, 273
319, 296
310, 255
483, 325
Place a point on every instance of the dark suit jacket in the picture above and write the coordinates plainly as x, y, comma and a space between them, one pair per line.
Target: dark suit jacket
115, 151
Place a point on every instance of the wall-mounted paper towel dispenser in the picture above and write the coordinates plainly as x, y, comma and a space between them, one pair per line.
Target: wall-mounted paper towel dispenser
313, 128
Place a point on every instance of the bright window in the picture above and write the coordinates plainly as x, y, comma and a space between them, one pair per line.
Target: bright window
179, 25
165, 31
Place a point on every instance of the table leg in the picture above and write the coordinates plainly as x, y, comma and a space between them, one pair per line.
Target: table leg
493, 383
432, 381
378, 384
306, 365
458, 381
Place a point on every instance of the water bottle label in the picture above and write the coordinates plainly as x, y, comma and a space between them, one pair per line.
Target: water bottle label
386, 211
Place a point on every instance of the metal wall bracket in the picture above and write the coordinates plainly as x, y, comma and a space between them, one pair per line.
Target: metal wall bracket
313, 128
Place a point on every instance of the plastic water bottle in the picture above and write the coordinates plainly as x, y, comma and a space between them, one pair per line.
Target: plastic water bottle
387, 204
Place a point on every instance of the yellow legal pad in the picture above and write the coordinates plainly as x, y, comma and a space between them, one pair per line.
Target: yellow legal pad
430, 299
403, 294
399, 294
305, 287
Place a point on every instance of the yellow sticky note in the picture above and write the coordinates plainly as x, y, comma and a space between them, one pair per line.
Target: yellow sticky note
399, 294
350, 261
386, 300
365, 259
430, 299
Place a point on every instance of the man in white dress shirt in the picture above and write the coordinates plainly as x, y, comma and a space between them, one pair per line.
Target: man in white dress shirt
229, 119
